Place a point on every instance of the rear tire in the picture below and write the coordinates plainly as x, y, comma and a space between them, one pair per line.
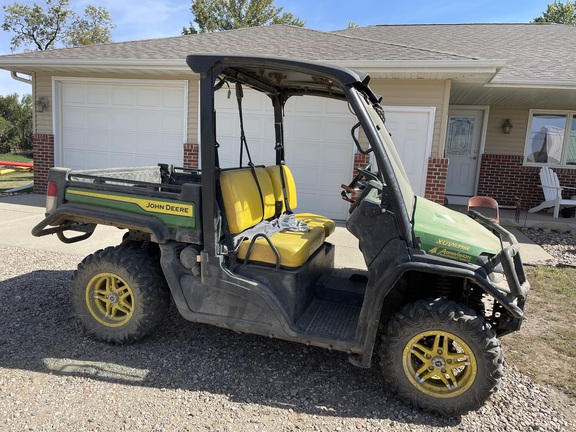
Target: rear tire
119, 294
441, 356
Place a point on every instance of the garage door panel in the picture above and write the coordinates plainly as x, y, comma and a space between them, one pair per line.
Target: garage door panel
339, 107
170, 144
122, 123
149, 121
123, 120
97, 118
74, 115
337, 131
149, 97
75, 159
99, 140
98, 95
226, 125
331, 204
172, 98
123, 142
98, 159
148, 144
123, 97
306, 104
75, 139
305, 128
73, 94
172, 121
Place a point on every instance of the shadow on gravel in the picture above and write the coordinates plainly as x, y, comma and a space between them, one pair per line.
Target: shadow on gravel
38, 333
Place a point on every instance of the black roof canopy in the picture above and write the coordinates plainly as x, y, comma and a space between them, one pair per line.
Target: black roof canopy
275, 75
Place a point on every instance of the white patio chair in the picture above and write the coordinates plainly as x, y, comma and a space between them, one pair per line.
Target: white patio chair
552, 193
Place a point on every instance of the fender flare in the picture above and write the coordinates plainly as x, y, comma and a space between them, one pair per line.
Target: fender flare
388, 280
62, 217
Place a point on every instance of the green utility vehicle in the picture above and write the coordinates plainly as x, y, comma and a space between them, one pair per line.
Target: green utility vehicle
228, 247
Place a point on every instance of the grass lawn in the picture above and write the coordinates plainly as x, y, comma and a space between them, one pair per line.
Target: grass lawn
18, 178
545, 347
16, 157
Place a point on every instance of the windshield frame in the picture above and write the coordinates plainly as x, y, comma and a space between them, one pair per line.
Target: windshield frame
402, 199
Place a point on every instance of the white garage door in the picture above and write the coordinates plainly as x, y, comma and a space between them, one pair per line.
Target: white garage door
412, 129
121, 124
319, 150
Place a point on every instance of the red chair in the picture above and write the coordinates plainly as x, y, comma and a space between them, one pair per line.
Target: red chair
484, 202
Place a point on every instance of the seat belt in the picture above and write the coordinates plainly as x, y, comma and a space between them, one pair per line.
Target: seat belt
286, 203
228, 239
244, 143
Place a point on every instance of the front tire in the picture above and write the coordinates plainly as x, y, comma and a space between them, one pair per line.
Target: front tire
441, 356
119, 294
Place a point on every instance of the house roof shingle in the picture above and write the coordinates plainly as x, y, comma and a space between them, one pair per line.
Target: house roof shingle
278, 40
536, 51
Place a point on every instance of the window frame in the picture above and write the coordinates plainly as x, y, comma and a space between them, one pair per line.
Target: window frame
570, 117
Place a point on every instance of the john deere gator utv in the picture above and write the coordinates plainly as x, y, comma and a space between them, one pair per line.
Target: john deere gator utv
228, 247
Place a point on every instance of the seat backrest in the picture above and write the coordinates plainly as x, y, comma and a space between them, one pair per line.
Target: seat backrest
486, 203
550, 183
243, 204
275, 172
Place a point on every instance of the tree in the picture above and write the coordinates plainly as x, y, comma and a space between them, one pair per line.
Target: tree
43, 27
218, 15
15, 123
560, 13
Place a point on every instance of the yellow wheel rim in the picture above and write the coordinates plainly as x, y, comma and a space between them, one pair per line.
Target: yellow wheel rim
439, 364
110, 300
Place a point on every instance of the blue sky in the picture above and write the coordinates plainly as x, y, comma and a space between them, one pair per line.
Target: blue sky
149, 19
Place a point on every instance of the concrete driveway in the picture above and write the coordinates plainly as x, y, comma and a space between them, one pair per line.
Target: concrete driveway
20, 213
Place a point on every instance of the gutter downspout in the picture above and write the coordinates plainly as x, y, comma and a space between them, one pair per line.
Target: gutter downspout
15, 76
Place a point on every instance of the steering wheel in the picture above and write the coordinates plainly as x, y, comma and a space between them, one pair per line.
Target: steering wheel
353, 189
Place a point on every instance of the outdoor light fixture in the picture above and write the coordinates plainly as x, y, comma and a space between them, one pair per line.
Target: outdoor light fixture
41, 103
507, 126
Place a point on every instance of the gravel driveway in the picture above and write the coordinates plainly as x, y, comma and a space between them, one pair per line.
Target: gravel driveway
194, 377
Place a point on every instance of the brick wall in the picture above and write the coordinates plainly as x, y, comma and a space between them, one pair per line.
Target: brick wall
43, 148
436, 179
503, 177
191, 155
360, 161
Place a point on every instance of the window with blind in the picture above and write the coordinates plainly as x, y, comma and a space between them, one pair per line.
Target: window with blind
551, 139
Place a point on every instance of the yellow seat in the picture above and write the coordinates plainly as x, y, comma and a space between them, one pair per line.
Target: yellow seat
313, 220
246, 205
290, 186
242, 201
294, 248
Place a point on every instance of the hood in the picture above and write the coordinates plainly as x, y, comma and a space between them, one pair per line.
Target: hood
450, 234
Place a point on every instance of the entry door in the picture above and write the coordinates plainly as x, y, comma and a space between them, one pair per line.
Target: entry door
462, 150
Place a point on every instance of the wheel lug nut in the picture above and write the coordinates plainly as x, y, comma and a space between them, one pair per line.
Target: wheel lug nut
428, 356
431, 368
443, 370
440, 352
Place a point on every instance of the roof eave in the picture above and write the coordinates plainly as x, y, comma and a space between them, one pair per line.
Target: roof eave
27, 65
550, 84
423, 68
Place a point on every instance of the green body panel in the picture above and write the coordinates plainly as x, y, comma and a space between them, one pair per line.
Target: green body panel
450, 234
170, 212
